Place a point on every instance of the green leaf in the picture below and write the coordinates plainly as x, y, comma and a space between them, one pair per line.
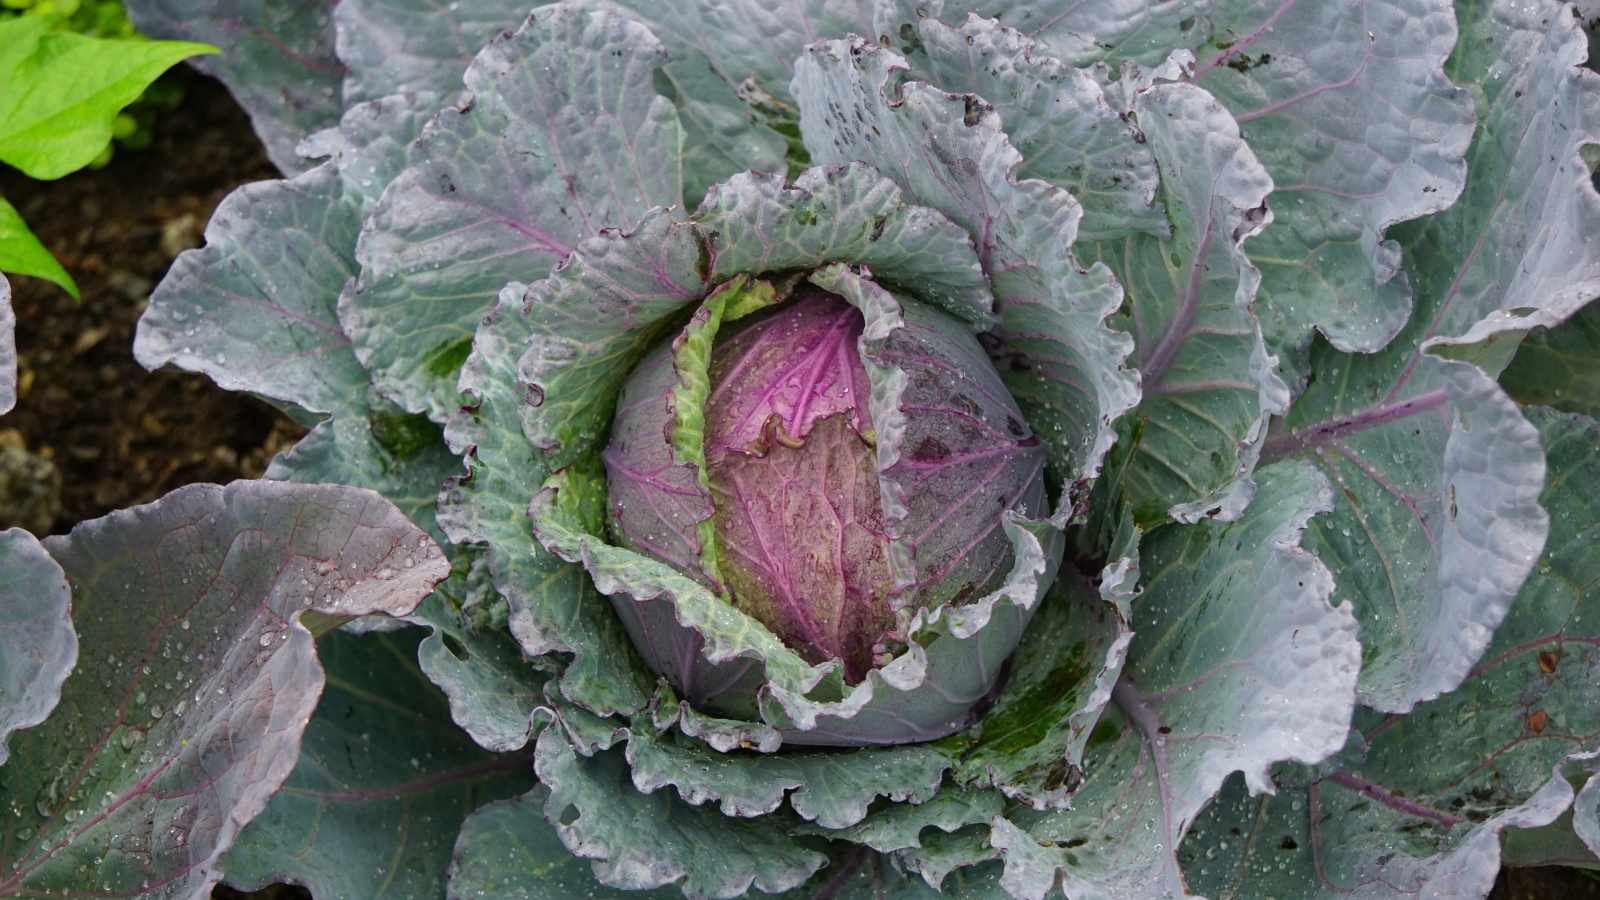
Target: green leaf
59, 91
1209, 384
1422, 801
1081, 34
277, 60
1239, 662
38, 647
640, 841
553, 604
396, 46
564, 136
383, 783
1348, 107
507, 851
1559, 366
1055, 116
22, 254
1517, 250
1438, 521
198, 677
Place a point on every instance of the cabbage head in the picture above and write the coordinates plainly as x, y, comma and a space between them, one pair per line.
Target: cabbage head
1107, 448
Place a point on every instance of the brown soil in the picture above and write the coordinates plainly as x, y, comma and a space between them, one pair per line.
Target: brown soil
118, 434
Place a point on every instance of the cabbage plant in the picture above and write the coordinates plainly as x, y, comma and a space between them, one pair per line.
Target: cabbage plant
1124, 448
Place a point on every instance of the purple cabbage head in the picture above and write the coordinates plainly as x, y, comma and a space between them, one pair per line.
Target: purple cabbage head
836, 499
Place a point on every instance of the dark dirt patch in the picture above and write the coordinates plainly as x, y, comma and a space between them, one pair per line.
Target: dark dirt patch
120, 435
1545, 883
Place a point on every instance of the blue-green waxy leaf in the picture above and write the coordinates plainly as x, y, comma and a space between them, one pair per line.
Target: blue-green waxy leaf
721, 134
564, 135
199, 676
1559, 367
383, 783
1438, 474
8, 349
1065, 366
507, 851
38, 647
1348, 107
640, 841
1239, 662
553, 605
1056, 116
1417, 803
1521, 248
1209, 384
390, 46
21, 253
1084, 33
369, 143
277, 60
60, 90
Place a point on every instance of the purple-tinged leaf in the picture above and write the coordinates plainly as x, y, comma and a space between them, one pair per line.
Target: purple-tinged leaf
1348, 107
1057, 117
38, 647
563, 136
1418, 803
1240, 662
383, 783
200, 678
391, 46
369, 144
277, 60
949, 152
1081, 33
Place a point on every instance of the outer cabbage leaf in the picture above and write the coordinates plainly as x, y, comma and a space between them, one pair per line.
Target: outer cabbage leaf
1240, 662
390, 46
1065, 365
751, 44
1031, 745
1056, 116
721, 134
1417, 803
1519, 249
38, 647
564, 135
369, 143
1348, 107
277, 60
640, 841
8, 349
552, 603
200, 676
508, 851
383, 783
1439, 474
1559, 367
1083, 33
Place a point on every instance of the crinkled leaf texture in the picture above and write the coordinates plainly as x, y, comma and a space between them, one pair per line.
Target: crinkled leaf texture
277, 60
198, 676
1240, 662
949, 153
383, 782
393, 46
8, 349
1438, 521
1348, 107
38, 647
1418, 804
562, 136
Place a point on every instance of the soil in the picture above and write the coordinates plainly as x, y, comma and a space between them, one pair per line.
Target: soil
121, 436
118, 435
